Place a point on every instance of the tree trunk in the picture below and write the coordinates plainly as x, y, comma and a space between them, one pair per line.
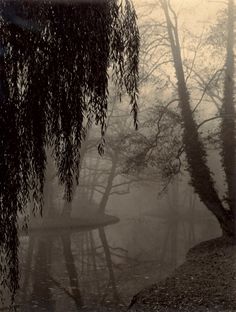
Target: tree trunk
105, 197
196, 155
228, 115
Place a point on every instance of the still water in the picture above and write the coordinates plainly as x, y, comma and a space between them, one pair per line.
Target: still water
101, 269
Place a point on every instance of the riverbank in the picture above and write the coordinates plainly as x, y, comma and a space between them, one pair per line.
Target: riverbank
205, 282
63, 224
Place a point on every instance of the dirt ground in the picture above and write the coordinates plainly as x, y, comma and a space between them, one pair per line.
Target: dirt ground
205, 282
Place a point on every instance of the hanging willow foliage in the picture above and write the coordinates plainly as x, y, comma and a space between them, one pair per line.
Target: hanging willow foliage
54, 64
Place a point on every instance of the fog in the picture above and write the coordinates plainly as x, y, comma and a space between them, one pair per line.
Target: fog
100, 268
135, 212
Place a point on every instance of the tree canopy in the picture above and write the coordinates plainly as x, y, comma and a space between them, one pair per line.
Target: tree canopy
182, 65
55, 60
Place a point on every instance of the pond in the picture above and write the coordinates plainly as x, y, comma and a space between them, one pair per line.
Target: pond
101, 269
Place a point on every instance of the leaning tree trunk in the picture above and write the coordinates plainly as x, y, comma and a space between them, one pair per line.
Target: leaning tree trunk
196, 155
106, 194
228, 151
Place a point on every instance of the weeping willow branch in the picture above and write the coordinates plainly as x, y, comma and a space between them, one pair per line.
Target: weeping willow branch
54, 65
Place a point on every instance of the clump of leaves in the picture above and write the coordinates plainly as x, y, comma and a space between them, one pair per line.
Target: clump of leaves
54, 64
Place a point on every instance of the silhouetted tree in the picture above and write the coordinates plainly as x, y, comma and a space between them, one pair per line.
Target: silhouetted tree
54, 65
103, 177
201, 178
171, 132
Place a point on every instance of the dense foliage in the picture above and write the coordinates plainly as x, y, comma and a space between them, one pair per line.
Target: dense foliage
54, 65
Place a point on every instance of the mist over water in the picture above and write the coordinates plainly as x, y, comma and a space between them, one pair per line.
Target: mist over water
101, 268
136, 211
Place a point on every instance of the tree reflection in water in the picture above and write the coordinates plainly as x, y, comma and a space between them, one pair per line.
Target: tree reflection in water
41, 296
72, 271
55, 268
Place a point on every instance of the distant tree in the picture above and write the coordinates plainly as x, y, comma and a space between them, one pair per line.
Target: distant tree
157, 147
103, 177
54, 65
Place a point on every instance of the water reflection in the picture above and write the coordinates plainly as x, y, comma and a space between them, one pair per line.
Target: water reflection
41, 297
77, 268
71, 270
101, 269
